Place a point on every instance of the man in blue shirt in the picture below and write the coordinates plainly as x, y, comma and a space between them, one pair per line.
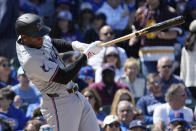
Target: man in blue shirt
165, 69
27, 92
149, 102
125, 112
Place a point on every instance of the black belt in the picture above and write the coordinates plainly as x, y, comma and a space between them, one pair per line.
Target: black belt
72, 90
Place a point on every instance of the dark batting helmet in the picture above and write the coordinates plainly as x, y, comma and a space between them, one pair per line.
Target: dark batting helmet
31, 25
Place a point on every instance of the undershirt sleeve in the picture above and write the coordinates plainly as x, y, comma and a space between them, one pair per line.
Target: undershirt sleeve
62, 45
63, 76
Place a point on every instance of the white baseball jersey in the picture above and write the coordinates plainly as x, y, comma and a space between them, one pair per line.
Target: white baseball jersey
70, 112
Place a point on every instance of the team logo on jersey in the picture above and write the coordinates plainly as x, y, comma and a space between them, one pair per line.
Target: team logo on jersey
45, 68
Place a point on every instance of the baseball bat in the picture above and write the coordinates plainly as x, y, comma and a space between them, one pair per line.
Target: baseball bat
156, 27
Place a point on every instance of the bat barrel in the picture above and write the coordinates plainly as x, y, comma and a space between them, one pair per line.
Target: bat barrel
157, 27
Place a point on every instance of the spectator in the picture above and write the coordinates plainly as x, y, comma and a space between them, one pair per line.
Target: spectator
117, 17
107, 87
125, 112
111, 123
96, 4
190, 13
85, 17
45, 8
8, 15
120, 95
111, 56
5, 126
156, 44
188, 63
26, 91
130, 78
152, 100
164, 67
95, 101
64, 27
87, 74
106, 34
33, 125
175, 98
137, 125
5, 73
16, 117
177, 122
92, 34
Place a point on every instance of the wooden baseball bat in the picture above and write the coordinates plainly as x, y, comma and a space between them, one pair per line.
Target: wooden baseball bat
156, 27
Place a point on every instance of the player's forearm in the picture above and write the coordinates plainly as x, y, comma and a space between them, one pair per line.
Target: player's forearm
62, 45
65, 75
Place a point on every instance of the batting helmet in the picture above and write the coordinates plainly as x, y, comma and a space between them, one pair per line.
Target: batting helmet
31, 25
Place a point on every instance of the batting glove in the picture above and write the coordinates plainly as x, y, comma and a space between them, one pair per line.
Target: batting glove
93, 49
79, 46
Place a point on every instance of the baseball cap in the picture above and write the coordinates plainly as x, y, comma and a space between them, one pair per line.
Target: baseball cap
137, 123
108, 66
178, 116
110, 50
20, 71
192, 26
110, 119
86, 6
65, 15
45, 127
86, 72
31, 25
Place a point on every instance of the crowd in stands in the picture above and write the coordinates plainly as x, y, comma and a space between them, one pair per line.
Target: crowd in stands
142, 84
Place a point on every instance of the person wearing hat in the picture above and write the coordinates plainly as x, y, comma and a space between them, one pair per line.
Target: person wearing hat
64, 27
107, 87
106, 33
137, 125
26, 91
177, 122
111, 55
188, 63
87, 74
111, 123
62, 104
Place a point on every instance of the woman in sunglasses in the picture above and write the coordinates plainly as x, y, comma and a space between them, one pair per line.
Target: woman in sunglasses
95, 101
111, 56
5, 73
111, 123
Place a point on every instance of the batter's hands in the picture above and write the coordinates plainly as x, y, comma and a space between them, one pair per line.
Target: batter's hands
93, 49
79, 46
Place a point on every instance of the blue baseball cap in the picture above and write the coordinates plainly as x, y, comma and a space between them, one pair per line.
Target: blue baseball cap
178, 116
86, 72
137, 123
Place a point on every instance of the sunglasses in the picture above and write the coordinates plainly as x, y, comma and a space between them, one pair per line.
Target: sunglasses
112, 55
176, 123
155, 82
90, 96
114, 124
107, 33
5, 65
166, 66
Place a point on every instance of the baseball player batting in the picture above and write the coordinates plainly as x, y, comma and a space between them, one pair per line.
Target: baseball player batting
64, 108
